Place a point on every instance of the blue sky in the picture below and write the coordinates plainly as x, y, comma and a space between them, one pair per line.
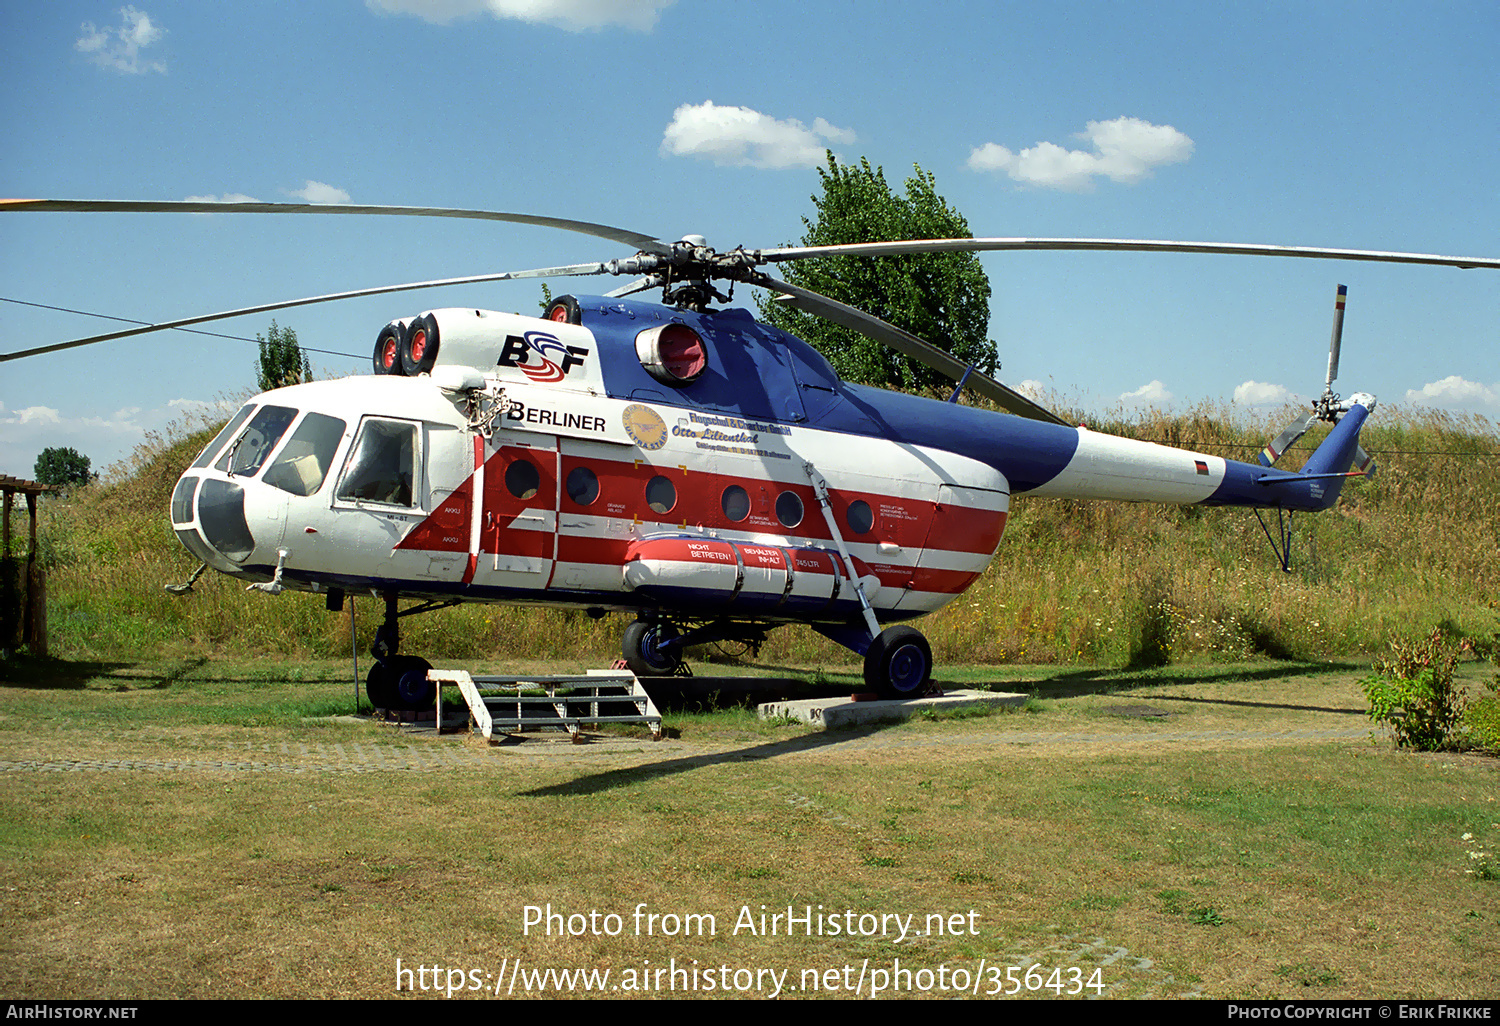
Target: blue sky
1350, 125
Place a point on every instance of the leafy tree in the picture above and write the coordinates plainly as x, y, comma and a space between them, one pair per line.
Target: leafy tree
64, 467
942, 298
281, 359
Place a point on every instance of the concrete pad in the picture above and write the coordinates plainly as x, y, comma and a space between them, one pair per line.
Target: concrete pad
836, 713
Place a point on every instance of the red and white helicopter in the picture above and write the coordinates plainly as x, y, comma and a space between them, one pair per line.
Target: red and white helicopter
707, 472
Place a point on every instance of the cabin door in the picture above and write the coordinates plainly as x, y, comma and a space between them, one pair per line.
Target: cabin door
518, 514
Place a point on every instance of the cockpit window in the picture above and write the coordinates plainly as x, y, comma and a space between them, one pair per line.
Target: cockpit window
381, 465
251, 448
223, 436
303, 462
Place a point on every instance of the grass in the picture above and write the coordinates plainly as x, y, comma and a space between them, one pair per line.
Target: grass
1228, 868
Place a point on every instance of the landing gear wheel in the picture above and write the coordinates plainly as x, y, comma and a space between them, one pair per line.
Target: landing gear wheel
644, 647
899, 663
413, 689
401, 684
380, 688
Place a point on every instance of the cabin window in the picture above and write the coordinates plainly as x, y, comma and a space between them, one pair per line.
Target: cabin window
789, 509
304, 461
582, 485
736, 503
859, 517
381, 466
223, 436
251, 448
522, 479
661, 494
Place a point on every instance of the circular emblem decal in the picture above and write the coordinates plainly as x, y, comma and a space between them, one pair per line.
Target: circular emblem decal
645, 427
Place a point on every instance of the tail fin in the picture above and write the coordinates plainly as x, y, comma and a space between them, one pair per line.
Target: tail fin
1340, 451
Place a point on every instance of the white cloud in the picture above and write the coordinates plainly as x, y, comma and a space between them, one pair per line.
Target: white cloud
1456, 393
34, 415
1125, 150
1152, 394
120, 48
739, 136
105, 439
1262, 393
573, 15
317, 192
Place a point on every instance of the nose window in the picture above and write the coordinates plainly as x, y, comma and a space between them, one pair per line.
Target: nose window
223, 436
182, 500
303, 462
251, 448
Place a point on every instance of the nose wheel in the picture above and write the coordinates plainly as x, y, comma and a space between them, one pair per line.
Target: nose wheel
397, 682
401, 683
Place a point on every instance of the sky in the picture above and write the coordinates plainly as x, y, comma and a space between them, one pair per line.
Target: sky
1352, 125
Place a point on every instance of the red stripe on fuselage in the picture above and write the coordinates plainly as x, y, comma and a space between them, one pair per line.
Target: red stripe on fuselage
909, 523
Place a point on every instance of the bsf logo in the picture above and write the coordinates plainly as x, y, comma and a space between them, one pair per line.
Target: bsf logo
540, 356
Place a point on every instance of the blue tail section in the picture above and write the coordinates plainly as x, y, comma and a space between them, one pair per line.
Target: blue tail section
1316, 486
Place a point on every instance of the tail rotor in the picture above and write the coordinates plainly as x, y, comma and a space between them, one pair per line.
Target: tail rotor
1328, 407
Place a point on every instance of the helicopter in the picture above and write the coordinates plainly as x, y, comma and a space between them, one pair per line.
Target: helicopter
675, 460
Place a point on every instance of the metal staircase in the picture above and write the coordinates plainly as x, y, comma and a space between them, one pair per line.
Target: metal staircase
551, 701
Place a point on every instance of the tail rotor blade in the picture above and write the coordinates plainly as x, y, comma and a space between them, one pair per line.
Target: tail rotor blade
1338, 336
1284, 441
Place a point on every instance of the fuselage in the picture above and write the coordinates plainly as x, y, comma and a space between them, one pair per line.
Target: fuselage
545, 462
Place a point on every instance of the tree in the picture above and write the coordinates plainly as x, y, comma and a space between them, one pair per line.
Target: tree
281, 359
64, 467
942, 298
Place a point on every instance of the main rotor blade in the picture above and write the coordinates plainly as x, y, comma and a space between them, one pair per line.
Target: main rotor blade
602, 231
1111, 245
909, 345
541, 272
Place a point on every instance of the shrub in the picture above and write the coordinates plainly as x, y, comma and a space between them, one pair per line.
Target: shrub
1413, 691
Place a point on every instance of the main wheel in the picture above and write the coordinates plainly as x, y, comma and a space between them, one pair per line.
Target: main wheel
646, 652
899, 663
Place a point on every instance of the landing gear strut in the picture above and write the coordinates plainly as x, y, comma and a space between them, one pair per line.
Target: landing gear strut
399, 682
